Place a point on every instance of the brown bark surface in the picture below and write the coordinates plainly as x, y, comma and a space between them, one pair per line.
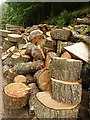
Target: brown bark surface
83, 21
66, 92
65, 69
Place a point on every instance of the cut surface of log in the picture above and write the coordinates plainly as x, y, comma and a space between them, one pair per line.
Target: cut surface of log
49, 56
35, 33
66, 55
15, 96
28, 67
60, 34
46, 107
66, 92
20, 79
14, 37
80, 50
65, 69
43, 80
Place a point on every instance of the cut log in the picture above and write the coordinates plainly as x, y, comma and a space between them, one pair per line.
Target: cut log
48, 34
5, 70
8, 61
46, 50
60, 94
79, 51
4, 33
42, 79
29, 67
49, 56
66, 55
46, 107
83, 21
15, 95
50, 43
29, 47
60, 34
14, 37
20, 79
26, 58
65, 69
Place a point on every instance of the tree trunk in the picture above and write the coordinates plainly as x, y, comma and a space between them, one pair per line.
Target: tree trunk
65, 69
29, 67
46, 107
66, 92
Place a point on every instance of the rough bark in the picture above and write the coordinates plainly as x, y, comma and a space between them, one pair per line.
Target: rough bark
46, 107
46, 50
8, 61
66, 92
14, 97
65, 69
58, 48
29, 67
60, 34
50, 43
83, 21
42, 79
29, 79
49, 56
20, 79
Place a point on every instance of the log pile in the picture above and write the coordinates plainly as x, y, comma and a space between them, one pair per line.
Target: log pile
38, 57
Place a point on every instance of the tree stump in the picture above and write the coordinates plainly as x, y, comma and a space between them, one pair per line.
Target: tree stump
49, 56
46, 107
65, 69
66, 92
15, 96
42, 79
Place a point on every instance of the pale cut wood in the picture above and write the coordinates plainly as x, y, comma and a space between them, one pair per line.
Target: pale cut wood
83, 21
13, 96
28, 67
79, 50
46, 107
4, 33
48, 34
14, 37
65, 69
42, 79
49, 56
66, 92
20, 79
66, 55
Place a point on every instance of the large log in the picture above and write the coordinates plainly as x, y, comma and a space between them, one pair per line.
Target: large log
42, 79
83, 21
15, 95
66, 92
46, 107
49, 56
65, 69
28, 67
60, 34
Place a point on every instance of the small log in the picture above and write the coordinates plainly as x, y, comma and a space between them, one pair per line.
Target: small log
66, 55
20, 79
49, 56
42, 79
83, 21
28, 67
26, 58
46, 107
50, 43
65, 69
4, 33
15, 96
60, 34
48, 34
14, 37
5, 70
60, 94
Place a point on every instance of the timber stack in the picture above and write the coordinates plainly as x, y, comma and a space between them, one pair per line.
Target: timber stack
43, 66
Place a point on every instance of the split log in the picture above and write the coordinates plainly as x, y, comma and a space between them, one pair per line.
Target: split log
65, 69
12, 49
49, 56
14, 37
46, 107
42, 79
60, 34
20, 79
4, 33
5, 55
15, 95
83, 21
66, 55
29, 67
66, 92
